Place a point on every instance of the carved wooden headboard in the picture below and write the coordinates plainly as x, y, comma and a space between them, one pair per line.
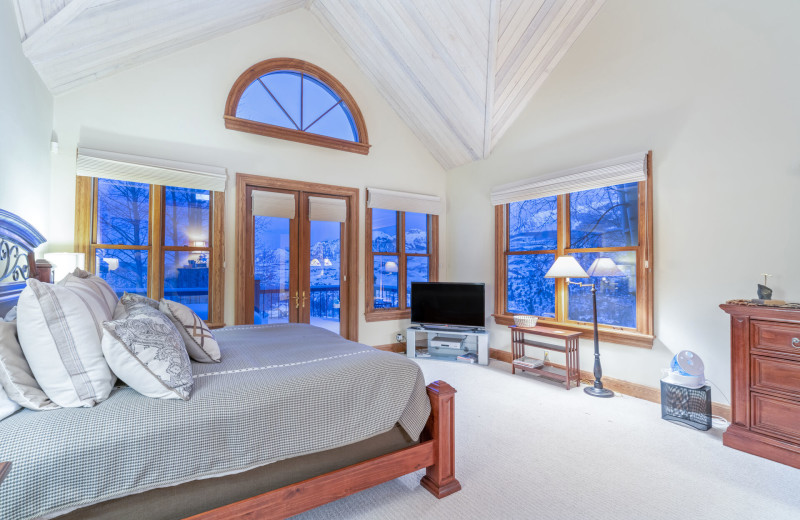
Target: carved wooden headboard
18, 239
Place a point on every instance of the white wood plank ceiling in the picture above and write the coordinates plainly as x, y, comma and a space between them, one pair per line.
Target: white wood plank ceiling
458, 72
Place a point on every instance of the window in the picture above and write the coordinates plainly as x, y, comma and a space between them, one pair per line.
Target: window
154, 240
295, 100
401, 249
607, 221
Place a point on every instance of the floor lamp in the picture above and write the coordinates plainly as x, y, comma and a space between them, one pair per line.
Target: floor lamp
567, 267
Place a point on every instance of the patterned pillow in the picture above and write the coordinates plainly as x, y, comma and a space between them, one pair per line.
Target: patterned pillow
59, 336
131, 300
146, 351
199, 341
15, 373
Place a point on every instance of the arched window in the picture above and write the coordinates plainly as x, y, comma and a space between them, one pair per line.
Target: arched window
295, 100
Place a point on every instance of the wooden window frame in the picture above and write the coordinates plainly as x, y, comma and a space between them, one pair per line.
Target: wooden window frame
401, 313
289, 64
86, 242
643, 334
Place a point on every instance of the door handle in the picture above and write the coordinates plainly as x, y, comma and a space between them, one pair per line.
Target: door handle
296, 300
304, 299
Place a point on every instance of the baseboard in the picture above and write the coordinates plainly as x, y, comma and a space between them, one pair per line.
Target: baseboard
648, 393
400, 348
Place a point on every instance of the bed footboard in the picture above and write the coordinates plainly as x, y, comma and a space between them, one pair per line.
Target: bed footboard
436, 454
440, 477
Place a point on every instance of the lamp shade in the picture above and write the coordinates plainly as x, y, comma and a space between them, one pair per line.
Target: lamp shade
391, 267
64, 263
604, 267
566, 267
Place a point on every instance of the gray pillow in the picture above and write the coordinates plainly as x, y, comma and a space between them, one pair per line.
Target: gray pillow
146, 351
131, 300
15, 373
12, 314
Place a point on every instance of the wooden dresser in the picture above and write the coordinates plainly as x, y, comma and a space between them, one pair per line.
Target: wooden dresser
765, 382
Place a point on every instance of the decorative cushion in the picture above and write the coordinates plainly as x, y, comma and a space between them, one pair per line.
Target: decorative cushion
96, 294
7, 406
12, 314
146, 351
130, 300
59, 337
15, 373
199, 341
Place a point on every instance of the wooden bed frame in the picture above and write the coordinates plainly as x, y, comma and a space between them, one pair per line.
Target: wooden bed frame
435, 453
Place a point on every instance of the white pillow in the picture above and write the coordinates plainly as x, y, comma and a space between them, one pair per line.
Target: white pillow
200, 342
146, 351
7, 406
59, 337
98, 296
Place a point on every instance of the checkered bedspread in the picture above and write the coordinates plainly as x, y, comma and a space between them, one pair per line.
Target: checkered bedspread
280, 391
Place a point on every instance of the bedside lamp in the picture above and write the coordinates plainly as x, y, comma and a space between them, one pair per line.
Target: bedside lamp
64, 263
567, 267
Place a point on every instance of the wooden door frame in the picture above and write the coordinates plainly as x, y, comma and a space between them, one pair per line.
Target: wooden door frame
244, 248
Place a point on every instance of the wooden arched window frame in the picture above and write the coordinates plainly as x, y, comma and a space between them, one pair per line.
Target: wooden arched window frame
304, 68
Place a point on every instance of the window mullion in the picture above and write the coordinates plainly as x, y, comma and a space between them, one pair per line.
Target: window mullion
562, 227
401, 258
155, 268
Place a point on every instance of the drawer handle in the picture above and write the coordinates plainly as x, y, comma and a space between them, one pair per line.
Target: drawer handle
796, 342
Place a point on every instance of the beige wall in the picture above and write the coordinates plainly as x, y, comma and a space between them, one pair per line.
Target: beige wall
26, 123
712, 88
172, 108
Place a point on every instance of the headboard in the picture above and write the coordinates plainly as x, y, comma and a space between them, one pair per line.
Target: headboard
18, 239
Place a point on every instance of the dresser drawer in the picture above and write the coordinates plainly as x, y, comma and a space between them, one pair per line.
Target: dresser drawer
776, 337
777, 375
775, 416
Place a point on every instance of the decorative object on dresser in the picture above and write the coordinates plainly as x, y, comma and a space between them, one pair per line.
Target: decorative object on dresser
538, 366
765, 381
567, 267
764, 292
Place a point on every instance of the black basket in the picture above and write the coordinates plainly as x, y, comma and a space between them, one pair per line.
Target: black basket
689, 406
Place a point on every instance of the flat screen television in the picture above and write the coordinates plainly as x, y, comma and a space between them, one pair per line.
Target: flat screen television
448, 303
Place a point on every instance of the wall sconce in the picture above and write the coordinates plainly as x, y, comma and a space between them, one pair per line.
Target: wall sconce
54, 142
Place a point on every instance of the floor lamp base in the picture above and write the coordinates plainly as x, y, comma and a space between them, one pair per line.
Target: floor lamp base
598, 392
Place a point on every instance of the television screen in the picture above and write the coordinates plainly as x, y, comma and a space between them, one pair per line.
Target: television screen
445, 303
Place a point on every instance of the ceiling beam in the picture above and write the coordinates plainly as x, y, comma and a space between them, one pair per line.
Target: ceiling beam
45, 34
491, 58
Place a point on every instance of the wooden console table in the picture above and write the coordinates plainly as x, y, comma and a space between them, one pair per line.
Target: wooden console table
570, 349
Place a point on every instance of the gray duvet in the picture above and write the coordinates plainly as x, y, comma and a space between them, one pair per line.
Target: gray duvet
279, 392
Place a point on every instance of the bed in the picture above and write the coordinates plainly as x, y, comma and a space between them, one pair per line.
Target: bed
293, 417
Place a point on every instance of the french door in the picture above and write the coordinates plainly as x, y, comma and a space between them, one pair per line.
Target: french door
299, 256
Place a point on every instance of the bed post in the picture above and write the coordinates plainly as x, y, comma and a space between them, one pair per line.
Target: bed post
440, 477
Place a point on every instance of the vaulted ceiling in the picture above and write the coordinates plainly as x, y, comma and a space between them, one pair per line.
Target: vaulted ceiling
458, 72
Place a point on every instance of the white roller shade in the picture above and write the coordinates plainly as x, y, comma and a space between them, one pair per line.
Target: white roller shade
631, 168
329, 210
134, 168
273, 204
402, 201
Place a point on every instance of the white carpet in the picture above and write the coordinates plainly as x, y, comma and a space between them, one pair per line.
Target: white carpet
527, 448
